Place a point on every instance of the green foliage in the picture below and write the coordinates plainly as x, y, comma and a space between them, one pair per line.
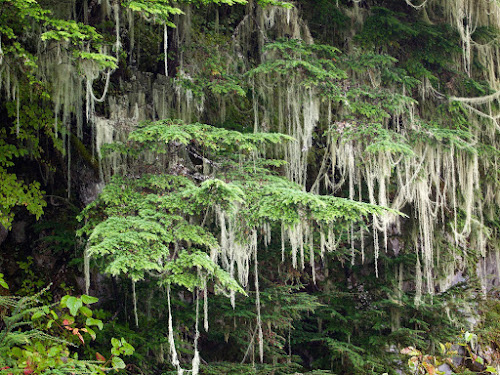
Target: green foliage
250, 369
16, 18
179, 272
3, 284
156, 137
39, 338
420, 363
283, 4
306, 65
281, 307
375, 137
358, 328
292, 206
161, 226
157, 219
326, 20
432, 45
32, 282
57, 234
21, 138
211, 67
459, 139
385, 28
100, 60
160, 10
16, 193
151, 223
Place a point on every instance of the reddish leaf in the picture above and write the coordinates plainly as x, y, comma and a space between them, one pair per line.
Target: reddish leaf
100, 357
431, 370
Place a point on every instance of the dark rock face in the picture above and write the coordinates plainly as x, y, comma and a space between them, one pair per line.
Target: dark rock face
90, 191
3, 233
18, 231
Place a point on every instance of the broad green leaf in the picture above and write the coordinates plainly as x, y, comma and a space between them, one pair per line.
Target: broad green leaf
86, 311
64, 300
37, 315
74, 305
117, 363
94, 322
91, 332
128, 349
115, 342
88, 300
